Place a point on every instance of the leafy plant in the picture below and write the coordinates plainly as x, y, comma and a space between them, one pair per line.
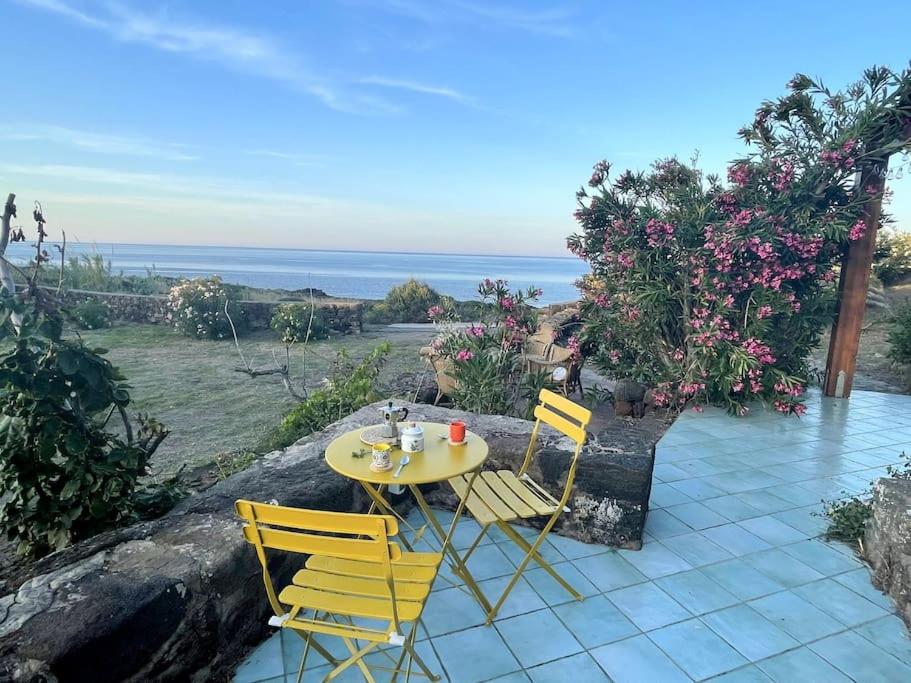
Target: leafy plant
406, 303
350, 387
92, 314
298, 323
848, 519
900, 335
716, 293
93, 273
64, 474
227, 464
197, 309
892, 260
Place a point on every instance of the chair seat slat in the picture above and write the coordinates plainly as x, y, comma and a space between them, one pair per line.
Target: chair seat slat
367, 587
348, 605
510, 497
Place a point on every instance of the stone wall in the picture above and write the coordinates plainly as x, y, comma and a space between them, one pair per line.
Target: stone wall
887, 541
346, 318
181, 597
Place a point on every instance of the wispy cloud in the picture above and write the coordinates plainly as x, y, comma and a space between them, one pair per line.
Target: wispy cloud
414, 86
100, 143
291, 157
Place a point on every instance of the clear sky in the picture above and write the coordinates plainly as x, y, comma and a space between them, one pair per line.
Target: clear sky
437, 125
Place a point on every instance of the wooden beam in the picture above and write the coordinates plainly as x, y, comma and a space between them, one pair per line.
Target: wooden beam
852, 289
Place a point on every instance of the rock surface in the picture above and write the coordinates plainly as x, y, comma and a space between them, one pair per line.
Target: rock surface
887, 541
181, 597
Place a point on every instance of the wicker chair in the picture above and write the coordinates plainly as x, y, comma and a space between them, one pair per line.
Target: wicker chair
442, 367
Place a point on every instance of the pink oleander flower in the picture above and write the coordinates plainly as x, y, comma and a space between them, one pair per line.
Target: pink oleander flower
740, 174
434, 312
464, 355
507, 303
602, 301
764, 312
698, 408
677, 355
475, 331
614, 355
858, 230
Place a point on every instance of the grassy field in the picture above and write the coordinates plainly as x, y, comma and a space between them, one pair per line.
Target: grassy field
191, 386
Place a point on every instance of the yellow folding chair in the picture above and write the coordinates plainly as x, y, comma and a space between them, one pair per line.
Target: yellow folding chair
353, 572
501, 497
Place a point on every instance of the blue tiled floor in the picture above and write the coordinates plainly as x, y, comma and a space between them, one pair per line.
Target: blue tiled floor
734, 583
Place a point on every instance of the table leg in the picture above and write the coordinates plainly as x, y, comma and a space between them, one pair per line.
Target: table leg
445, 538
378, 502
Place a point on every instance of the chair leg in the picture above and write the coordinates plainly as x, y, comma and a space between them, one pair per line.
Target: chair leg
439, 396
474, 545
523, 544
357, 657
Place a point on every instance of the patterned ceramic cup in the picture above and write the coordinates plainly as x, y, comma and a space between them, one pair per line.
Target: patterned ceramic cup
382, 459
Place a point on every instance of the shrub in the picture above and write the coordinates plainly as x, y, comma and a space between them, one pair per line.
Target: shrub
350, 387
893, 256
714, 293
405, 303
63, 474
299, 323
92, 314
900, 335
197, 309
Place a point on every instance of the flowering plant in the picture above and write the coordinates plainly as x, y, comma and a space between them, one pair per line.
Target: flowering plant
716, 293
299, 323
196, 308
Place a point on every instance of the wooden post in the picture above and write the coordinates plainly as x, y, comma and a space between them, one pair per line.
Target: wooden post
852, 288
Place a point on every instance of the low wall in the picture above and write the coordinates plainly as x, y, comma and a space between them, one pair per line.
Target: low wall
145, 308
887, 541
181, 598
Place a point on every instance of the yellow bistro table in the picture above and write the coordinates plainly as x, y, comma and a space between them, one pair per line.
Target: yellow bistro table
438, 462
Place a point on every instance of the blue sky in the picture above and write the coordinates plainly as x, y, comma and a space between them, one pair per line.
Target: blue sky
446, 125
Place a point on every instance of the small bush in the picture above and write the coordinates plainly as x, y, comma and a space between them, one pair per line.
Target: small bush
297, 323
848, 519
405, 303
900, 336
893, 256
92, 314
197, 309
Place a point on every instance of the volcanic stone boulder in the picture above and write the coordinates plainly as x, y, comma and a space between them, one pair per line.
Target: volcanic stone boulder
181, 597
887, 541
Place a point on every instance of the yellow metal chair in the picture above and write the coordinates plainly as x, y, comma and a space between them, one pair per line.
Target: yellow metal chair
353, 572
501, 497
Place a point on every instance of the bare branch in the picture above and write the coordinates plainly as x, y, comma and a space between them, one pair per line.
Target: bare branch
62, 261
6, 272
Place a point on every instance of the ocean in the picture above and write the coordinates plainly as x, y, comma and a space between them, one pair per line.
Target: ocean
356, 274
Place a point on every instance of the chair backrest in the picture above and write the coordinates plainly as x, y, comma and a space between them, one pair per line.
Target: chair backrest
539, 343
317, 532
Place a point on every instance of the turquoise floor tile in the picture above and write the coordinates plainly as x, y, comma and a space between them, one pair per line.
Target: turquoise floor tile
580, 668
488, 562
538, 637
890, 634
696, 549
742, 580
697, 489
609, 571
521, 599
796, 616
745, 674
750, 633
697, 592
796, 494
840, 602
451, 610
655, 560
552, 592
476, 654
292, 646
696, 649
859, 581
637, 660
824, 557
805, 519
736, 540
572, 549
782, 567
765, 501
664, 495
801, 664
662, 524
732, 507
697, 515
516, 554
860, 659
771, 530
595, 621
264, 663
647, 606
514, 677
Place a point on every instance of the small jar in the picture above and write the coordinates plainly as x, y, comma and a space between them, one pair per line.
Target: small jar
413, 438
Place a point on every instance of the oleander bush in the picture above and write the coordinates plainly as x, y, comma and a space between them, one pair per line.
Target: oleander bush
197, 309
406, 303
715, 293
299, 323
892, 262
92, 314
900, 335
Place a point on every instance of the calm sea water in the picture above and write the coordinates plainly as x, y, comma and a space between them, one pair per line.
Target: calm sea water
366, 275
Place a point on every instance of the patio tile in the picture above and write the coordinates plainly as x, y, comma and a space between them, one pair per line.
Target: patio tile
796, 616
514, 677
743, 480
609, 571
647, 606
538, 637
456, 652
733, 508
595, 621
697, 489
552, 592
742, 580
750, 633
745, 674
696, 649
890, 634
783, 568
771, 530
572, 549
859, 581
663, 495
822, 556
451, 609
265, 663
801, 664
860, 659
522, 598
696, 549
805, 519
765, 501
736, 540
488, 562
697, 592
637, 659
516, 554
840, 602
580, 668
697, 515
669, 472
655, 560
796, 494
662, 524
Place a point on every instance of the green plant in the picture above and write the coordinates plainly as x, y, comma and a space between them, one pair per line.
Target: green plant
892, 259
233, 462
201, 308
848, 519
154, 498
64, 474
299, 323
350, 387
405, 303
717, 293
92, 314
900, 335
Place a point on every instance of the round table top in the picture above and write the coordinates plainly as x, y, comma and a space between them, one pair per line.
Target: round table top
437, 462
